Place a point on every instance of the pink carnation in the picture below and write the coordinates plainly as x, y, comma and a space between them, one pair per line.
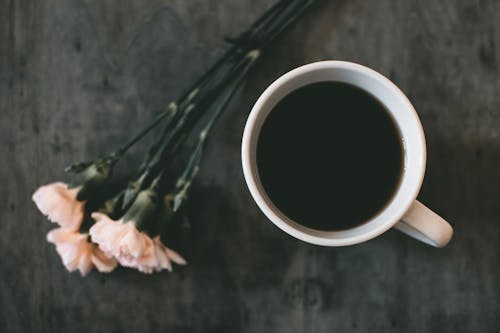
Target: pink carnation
77, 253
60, 205
131, 247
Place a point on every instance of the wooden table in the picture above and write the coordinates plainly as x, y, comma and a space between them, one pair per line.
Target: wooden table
77, 76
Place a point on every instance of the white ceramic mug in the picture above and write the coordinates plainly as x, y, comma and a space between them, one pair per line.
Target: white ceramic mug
403, 212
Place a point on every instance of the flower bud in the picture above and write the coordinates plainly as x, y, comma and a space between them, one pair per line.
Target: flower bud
90, 177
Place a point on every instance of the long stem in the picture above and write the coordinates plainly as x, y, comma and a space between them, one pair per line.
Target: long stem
277, 25
231, 68
169, 112
259, 35
190, 171
280, 25
238, 82
190, 115
282, 13
273, 17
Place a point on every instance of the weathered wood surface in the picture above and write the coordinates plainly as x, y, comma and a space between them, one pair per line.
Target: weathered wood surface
77, 74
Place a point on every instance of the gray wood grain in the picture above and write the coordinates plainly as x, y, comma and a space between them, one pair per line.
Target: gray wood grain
77, 76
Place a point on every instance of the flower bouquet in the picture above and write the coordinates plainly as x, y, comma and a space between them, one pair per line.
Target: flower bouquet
101, 226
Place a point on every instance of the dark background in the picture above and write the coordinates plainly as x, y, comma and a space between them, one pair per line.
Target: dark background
77, 76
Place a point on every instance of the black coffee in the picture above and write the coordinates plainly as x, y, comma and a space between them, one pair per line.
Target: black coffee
329, 156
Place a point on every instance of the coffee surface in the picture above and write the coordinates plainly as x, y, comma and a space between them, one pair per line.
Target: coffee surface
329, 156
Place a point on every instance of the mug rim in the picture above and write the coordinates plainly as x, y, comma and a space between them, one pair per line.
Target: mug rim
414, 152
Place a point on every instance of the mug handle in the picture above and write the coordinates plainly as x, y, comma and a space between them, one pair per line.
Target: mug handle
423, 224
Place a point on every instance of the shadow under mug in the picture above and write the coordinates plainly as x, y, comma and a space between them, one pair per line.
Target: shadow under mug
403, 212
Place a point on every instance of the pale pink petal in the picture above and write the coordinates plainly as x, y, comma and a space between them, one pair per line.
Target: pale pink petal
99, 217
175, 257
69, 255
172, 255
163, 260
103, 225
149, 258
107, 238
59, 235
146, 260
145, 269
73, 248
105, 232
99, 225
102, 262
59, 204
106, 242
132, 243
112, 242
85, 264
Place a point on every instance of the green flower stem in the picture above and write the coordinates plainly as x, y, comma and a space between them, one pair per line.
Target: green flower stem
184, 182
189, 117
191, 170
169, 113
293, 12
192, 166
271, 24
204, 93
185, 106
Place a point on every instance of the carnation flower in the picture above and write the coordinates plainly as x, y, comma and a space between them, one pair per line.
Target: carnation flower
117, 238
59, 203
78, 253
131, 247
